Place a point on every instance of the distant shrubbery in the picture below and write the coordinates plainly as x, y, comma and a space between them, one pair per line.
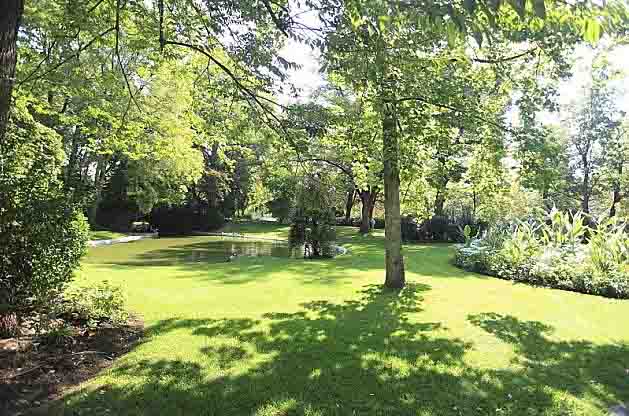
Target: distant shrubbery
183, 220
557, 251
439, 228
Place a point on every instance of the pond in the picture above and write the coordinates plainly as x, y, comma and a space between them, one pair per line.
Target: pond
230, 249
190, 250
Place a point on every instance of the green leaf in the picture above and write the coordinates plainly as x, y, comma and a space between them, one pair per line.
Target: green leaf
592, 30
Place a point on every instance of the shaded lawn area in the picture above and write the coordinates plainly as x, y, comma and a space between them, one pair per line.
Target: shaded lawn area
277, 336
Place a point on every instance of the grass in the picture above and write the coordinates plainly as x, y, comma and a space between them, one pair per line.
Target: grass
105, 235
257, 229
275, 336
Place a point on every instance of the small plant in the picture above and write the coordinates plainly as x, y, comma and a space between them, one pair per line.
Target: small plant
58, 335
466, 232
95, 304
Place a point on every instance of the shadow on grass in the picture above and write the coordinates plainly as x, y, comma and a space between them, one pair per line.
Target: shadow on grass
368, 356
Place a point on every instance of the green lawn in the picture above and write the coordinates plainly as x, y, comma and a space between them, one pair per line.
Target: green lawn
105, 235
273, 336
257, 229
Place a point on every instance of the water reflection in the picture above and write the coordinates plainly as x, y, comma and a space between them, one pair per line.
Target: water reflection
226, 250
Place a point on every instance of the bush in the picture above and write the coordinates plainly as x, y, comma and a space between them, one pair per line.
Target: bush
281, 208
379, 223
553, 252
183, 220
95, 304
42, 235
313, 223
117, 215
410, 229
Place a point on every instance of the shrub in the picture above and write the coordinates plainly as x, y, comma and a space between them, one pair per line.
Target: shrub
281, 208
184, 220
95, 304
117, 215
42, 235
410, 229
313, 223
553, 252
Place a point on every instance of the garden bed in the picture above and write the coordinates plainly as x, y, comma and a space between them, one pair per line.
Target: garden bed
34, 373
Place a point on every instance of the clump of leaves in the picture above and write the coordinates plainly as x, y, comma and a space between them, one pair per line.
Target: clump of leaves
95, 304
313, 223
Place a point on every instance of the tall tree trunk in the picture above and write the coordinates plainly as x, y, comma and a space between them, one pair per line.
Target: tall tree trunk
98, 190
365, 199
10, 19
393, 232
440, 200
616, 195
372, 204
349, 203
585, 188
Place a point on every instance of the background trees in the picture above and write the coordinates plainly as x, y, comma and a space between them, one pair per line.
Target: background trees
174, 105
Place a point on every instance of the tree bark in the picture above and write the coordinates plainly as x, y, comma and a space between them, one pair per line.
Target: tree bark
585, 189
616, 195
394, 261
349, 204
440, 201
98, 191
10, 19
365, 199
368, 201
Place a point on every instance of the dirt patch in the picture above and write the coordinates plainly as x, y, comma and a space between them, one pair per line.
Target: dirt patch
33, 374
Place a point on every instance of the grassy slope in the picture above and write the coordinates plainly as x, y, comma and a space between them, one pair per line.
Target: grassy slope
105, 235
270, 336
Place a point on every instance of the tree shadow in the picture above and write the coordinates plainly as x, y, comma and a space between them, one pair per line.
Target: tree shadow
372, 355
580, 368
354, 357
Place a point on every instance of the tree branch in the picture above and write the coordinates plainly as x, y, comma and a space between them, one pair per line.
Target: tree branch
460, 110
337, 165
69, 58
504, 59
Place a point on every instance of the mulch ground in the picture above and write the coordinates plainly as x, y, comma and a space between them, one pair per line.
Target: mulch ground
34, 374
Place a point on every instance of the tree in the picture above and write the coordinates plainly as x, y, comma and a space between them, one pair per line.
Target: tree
9, 27
594, 130
391, 48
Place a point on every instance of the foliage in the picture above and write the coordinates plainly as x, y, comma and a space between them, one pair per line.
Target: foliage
313, 224
42, 234
184, 220
95, 303
553, 251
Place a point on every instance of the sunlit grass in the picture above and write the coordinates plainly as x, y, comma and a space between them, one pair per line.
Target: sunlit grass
278, 336
105, 235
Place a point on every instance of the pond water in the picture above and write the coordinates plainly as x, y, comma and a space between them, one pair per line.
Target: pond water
229, 249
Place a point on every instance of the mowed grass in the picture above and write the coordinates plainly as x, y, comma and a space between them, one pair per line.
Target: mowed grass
105, 235
274, 336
